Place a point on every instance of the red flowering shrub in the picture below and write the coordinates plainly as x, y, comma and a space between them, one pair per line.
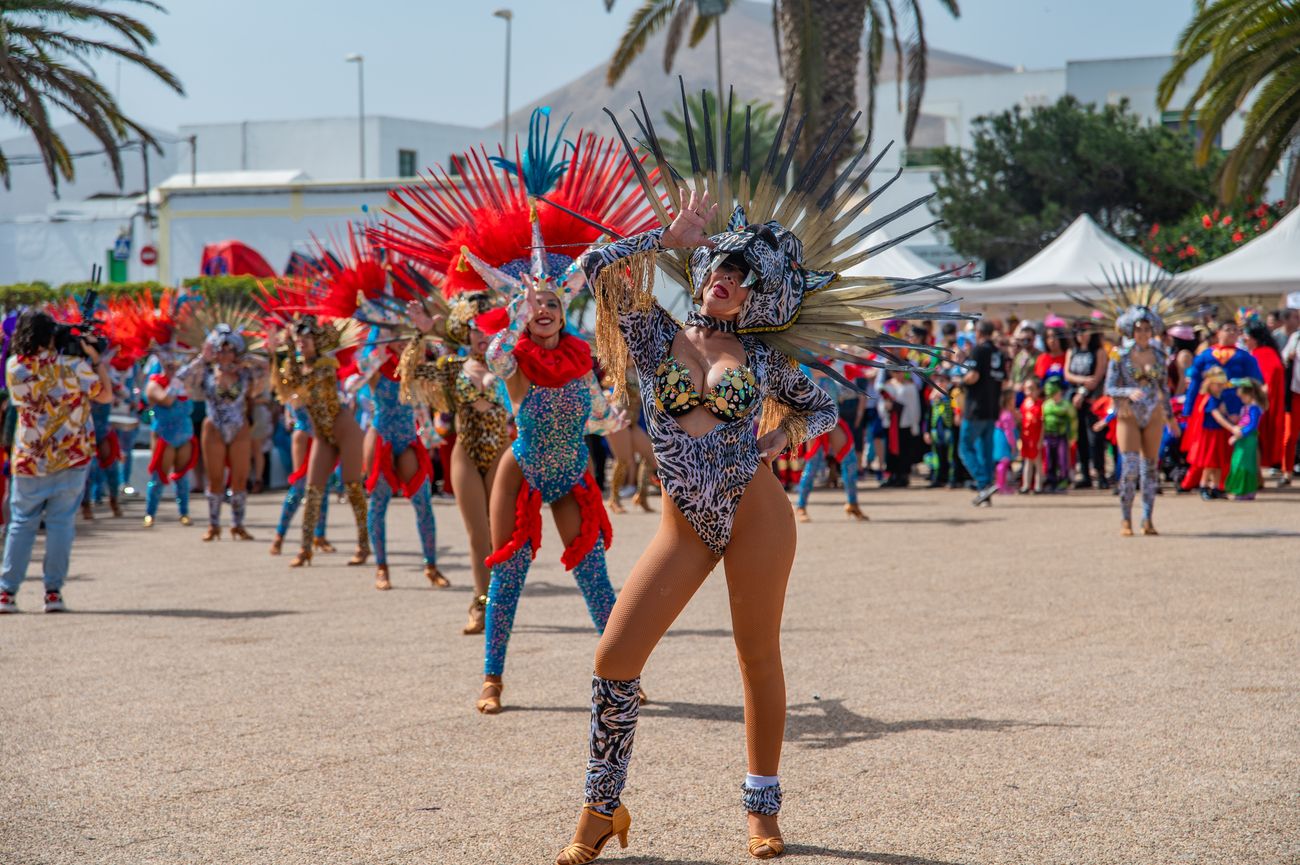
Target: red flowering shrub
1204, 235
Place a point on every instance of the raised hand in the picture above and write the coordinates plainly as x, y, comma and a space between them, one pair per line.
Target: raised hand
419, 317
690, 228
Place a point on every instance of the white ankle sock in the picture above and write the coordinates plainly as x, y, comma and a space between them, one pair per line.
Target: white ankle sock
756, 781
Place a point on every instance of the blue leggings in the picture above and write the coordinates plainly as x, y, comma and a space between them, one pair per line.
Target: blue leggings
848, 476
153, 494
377, 516
292, 501
508, 583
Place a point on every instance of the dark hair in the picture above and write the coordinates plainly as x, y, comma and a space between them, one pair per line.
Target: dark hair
1263, 336
1094, 341
949, 328
986, 328
33, 332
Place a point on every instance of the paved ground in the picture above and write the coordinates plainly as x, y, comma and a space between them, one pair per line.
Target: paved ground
1008, 685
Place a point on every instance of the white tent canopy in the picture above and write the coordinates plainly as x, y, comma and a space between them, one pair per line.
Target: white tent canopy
900, 263
1269, 264
1078, 260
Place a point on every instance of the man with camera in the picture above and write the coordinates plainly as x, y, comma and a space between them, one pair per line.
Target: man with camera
55, 374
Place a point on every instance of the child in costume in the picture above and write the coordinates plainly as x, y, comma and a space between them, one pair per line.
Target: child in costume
1243, 478
1209, 456
836, 443
1031, 437
1060, 427
1004, 443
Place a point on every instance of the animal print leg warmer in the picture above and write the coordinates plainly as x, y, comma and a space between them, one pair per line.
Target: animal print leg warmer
615, 707
762, 800
310, 513
1128, 479
1150, 486
357, 499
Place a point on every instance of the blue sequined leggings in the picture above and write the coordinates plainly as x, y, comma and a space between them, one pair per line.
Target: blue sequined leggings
507, 582
377, 517
153, 494
292, 501
848, 476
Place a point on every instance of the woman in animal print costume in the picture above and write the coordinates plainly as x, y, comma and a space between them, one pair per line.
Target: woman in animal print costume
707, 384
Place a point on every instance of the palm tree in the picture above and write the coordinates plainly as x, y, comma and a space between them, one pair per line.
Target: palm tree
44, 67
821, 44
1253, 46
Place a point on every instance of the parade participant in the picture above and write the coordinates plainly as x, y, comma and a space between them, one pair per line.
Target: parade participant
1272, 428
1243, 477
463, 386
633, 454
763, 307
175, 447
1209, 456
308, 376
226, 376
299, 422
494, 231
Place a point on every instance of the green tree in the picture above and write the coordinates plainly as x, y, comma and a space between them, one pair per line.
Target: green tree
763, 120
1029, 175
44, 67
1252, 46
1207, 233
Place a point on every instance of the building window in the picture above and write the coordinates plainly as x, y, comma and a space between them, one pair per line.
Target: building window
406, 163
1173, 120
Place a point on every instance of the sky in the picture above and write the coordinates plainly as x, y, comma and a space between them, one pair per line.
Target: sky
443, 59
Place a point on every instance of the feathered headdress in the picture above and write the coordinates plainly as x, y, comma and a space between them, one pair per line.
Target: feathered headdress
1134, 294
224, 321
794, 231
535, 215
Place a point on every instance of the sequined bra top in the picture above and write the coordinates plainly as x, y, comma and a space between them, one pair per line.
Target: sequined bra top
734, 396
468, 393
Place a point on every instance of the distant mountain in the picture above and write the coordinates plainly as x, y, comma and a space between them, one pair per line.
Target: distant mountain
748, 63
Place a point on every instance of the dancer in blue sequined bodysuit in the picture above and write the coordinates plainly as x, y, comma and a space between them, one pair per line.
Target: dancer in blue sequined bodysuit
300, 449
400, 465
175, 447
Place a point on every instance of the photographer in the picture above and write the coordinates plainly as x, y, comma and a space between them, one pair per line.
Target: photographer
53, 393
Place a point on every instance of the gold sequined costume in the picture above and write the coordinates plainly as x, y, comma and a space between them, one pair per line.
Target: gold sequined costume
444, 385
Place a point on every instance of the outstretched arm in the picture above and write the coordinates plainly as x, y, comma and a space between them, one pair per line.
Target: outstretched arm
605, 417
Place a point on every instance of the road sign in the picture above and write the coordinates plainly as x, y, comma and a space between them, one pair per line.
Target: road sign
148, 256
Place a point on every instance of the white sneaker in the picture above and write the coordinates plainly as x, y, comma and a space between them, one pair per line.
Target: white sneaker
7, 604
54, 602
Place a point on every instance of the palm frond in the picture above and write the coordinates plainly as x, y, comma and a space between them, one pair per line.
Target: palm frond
649, 18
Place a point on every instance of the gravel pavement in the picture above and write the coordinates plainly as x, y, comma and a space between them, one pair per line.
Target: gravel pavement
1014, 684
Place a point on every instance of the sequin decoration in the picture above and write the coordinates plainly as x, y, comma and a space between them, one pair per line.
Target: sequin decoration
735, 394
550, 448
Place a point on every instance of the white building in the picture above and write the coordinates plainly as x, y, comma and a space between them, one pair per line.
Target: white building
329, 148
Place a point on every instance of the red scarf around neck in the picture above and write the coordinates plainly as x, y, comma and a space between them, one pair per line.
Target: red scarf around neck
553, 367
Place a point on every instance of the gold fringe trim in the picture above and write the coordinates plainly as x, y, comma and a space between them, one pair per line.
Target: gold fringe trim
624, 286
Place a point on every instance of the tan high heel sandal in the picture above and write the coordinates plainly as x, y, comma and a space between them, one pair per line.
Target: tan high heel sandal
240, 533
801, 514
303, 558
1126, 528
477, 616
578, 853
382, 583
855, 512
765, 848
212, 534
435, 577
277, 545
360, 557
490, 705
1148, 528
323, 545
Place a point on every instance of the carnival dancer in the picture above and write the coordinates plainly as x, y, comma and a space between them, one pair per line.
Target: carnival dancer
462, 385
766, 303
308, 377
227, 375
633, 453
488, 232
175, 447
299, 421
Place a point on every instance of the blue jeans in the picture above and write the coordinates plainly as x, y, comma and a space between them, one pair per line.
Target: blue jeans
55, 497
976, 449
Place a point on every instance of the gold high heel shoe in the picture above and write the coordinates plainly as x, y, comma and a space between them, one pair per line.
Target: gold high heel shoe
765, 848
360, 557
212, 534
435, 577
855, 512
277, 545
323, 545
303, 558
1148, 528
491, 704
240, 533
382, 583
801, 514
185, 520
578, 853
148, 521
477, 616
1125, 529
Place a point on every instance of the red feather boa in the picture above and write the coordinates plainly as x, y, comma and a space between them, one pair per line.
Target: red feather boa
554, 367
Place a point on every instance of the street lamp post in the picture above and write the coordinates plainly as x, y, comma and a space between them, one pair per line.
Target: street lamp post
507, 16
361, 108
